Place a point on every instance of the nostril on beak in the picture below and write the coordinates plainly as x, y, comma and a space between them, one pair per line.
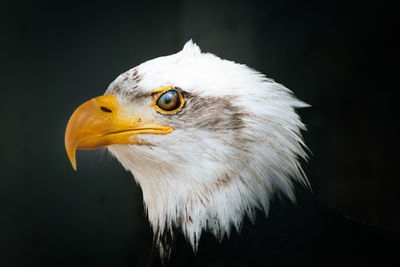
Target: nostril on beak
105, 109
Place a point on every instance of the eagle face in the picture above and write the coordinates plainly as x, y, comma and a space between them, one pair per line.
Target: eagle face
208, 140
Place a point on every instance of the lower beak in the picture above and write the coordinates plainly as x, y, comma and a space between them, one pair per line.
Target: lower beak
102, 121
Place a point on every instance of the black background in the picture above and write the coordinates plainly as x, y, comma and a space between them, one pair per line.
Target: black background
338, 56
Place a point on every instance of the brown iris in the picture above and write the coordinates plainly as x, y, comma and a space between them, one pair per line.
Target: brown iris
169, 101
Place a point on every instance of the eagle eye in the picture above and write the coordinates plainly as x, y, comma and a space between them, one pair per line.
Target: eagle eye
170, 101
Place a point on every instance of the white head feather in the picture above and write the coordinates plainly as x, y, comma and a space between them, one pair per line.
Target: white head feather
235, 144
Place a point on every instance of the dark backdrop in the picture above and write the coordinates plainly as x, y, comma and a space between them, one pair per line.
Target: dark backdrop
336, 55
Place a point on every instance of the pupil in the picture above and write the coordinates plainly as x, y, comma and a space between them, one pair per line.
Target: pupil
167, 98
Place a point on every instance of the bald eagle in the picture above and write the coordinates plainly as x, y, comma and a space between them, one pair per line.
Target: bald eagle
209, 141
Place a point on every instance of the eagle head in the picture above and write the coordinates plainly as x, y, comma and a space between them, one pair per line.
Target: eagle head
208, 140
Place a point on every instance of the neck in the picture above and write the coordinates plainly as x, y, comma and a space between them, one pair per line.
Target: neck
175, 198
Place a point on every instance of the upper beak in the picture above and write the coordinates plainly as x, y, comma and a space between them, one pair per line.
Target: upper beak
102, 121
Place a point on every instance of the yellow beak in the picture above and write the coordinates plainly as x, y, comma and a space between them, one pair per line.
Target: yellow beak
102, 121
